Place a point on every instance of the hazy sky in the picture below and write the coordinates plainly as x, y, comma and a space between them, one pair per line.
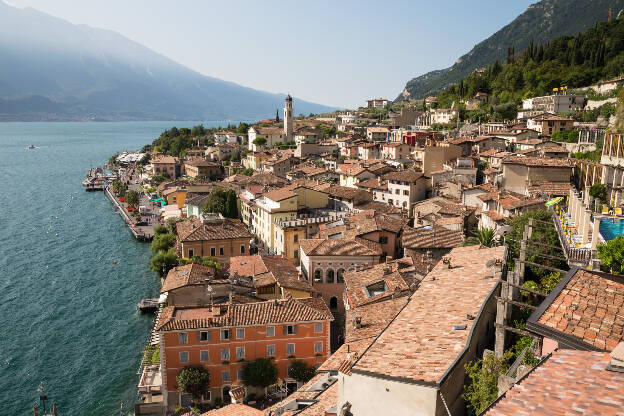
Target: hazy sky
331, 52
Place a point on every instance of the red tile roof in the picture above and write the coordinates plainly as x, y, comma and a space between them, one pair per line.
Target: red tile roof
420, 343
585, 310
342, 247
234, 410
224, 229
269, 269
431, 237
257, 313
403, 176
568, 383
190, 274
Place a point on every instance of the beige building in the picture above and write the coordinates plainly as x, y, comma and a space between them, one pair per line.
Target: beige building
432, 158
200, 166
405, 188
165, 165
519, 172
283, 205
273, 136
395, 151
547, 124
212, 237
352, 173
377, 133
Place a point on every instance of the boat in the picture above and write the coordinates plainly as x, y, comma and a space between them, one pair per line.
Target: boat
32, 146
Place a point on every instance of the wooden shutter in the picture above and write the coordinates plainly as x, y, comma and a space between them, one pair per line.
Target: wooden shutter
199, 335
294, 329
285, 328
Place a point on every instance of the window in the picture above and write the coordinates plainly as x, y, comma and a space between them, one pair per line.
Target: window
239, 374
318, 275
296, 238
225, 354
340, 279
270, 331
290, 349
296, 254
240, 352
203, 336
226, 334
204, 355
240, 333
290, 329
383, 240
330, 276
213, 251
318, 327
184, 356
242, 249
270, 350
318, 347
191, 253
182, 338
396, 191
405, 192
220, 251
225, 376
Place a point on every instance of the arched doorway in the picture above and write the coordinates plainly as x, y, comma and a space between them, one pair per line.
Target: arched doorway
226, 395
333, 303
318, 276
330, 276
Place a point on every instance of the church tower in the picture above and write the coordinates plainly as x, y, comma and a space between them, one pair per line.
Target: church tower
288, 118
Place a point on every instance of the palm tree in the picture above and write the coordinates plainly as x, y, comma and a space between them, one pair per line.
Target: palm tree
484, 236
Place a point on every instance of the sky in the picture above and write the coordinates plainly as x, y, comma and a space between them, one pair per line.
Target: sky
336, 53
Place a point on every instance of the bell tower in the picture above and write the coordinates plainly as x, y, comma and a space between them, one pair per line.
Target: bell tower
288, 118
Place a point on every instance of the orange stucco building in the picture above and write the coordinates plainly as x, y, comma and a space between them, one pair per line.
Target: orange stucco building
224, 337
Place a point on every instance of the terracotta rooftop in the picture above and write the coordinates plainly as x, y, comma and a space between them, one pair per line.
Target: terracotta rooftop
538, 162
256, 313
355, 195
420, 344
403, 176
271, 269
343, 247
549, 188
278, 195
224, 229
190, 274
373, 183
234, 409
433, 236
350, 169
378, 282
568, 383
584, 311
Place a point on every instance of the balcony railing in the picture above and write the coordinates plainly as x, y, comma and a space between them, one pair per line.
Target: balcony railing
575, 255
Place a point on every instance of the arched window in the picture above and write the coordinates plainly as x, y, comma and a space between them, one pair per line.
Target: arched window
340, 278
333, 303
330, 276
318, 276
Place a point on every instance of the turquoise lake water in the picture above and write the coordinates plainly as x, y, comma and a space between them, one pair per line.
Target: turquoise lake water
70, 316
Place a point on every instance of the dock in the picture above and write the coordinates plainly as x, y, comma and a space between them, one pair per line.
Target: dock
142, 233
148, 305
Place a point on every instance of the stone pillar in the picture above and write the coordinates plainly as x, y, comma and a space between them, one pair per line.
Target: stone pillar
585, 230
595, 233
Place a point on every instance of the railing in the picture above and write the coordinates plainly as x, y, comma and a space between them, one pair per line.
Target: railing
577, 255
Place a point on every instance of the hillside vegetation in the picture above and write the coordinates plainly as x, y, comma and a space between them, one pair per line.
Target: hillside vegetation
540, 23
572, 61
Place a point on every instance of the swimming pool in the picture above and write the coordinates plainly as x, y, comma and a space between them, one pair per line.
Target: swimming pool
611, 228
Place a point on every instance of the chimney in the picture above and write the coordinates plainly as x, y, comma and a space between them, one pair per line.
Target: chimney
617, 359
447, 260
388, 259
358, 321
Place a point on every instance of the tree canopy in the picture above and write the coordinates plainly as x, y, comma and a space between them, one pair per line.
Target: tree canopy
163, 261
612, 255
261, 372
223, 202
194, 380
300, 371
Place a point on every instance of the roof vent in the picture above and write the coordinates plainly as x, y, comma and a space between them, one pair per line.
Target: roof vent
470, 316
447, 261
617, 359
459, 328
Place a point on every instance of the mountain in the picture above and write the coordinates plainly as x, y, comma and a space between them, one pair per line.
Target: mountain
540, 22
51, 69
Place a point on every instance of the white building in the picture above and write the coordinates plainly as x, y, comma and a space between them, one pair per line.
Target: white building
554, 103
377, 103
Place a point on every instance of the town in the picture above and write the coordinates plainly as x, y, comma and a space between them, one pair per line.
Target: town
404, 257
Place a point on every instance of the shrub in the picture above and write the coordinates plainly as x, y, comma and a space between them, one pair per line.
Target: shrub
261, 372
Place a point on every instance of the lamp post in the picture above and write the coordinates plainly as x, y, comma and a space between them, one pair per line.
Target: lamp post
42, 396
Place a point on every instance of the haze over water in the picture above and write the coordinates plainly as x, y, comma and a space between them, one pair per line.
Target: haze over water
69, 312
